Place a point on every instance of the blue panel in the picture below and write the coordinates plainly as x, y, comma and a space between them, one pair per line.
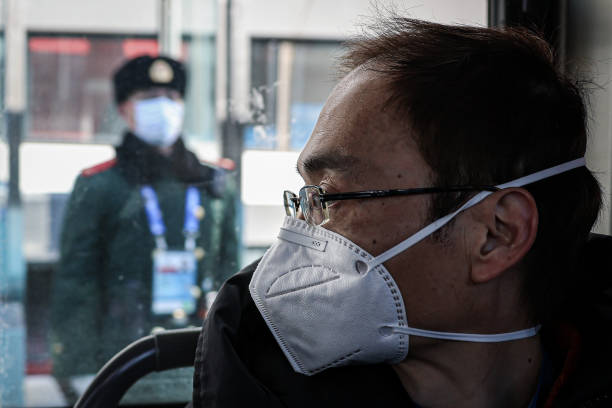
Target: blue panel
260, 137
303, 119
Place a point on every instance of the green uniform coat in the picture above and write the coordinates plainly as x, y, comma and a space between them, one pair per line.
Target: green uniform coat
102, 291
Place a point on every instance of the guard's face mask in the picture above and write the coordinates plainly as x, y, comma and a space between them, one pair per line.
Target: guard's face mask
330, 303
158, 121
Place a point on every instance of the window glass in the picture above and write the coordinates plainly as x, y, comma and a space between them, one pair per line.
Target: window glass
84, 268
290, 82
76, 321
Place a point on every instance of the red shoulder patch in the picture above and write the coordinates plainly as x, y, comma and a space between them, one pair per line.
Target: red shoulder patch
99, 168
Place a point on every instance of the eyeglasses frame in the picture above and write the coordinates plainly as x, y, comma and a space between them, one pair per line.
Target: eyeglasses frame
327, 197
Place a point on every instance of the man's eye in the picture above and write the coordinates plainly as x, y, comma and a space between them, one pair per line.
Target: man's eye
325, 188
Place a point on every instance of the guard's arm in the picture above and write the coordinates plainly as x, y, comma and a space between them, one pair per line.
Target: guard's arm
77, 281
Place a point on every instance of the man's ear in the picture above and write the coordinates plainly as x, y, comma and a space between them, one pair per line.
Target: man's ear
508, 227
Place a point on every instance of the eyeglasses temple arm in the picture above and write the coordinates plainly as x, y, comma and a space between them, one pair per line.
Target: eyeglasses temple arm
400, 192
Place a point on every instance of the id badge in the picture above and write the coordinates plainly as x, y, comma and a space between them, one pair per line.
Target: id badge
174, 278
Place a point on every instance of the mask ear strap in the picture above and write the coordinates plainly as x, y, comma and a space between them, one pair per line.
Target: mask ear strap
477, 338
436, 225
423, 233
546, 173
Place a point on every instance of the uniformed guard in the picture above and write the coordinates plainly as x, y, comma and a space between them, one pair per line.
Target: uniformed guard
147, 234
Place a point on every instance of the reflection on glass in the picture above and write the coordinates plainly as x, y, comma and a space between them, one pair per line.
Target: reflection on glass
73, 124
290, 81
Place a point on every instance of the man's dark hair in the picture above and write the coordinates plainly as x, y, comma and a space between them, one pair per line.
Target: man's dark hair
486, 106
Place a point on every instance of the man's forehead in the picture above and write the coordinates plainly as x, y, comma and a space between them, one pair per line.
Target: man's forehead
355, 133
332, 159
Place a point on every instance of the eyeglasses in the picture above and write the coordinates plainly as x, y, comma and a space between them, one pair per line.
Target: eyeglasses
312, 201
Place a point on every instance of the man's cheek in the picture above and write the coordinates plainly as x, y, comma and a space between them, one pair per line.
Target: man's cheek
364, 226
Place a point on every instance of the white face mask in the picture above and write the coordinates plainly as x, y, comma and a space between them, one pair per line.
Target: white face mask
330, 303
158, 121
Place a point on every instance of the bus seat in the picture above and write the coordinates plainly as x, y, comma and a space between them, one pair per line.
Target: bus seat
158, 352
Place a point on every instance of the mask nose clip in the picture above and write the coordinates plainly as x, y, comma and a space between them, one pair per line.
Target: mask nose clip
361, 267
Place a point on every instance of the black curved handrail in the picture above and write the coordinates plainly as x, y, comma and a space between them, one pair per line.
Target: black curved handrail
162, 351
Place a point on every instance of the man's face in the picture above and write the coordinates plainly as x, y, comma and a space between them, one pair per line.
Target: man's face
356, 146
126, 109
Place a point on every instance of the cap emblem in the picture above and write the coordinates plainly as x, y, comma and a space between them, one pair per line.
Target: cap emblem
161, 72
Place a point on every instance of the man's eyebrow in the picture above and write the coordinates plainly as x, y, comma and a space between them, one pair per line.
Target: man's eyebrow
328, 161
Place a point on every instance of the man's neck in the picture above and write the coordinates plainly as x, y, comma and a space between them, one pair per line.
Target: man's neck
464, 374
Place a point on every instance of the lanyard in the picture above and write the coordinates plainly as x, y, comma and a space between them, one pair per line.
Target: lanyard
156, 221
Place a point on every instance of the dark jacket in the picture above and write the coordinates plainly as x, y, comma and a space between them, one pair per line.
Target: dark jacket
102, 291
238, 362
